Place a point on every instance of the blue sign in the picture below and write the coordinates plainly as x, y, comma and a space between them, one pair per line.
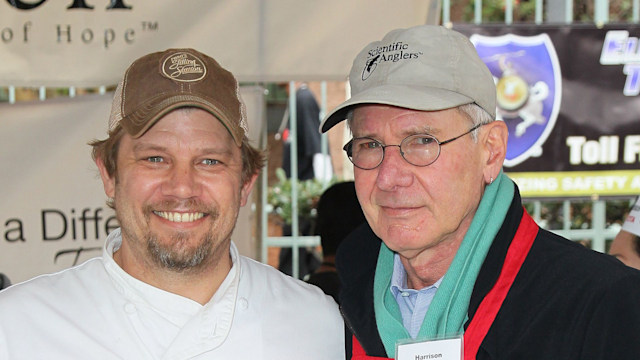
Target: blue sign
529, 89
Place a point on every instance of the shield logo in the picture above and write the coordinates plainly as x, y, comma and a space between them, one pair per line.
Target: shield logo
529, 89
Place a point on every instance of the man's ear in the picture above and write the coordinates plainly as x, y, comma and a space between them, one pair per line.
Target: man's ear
246, 189
108, 182
495, 146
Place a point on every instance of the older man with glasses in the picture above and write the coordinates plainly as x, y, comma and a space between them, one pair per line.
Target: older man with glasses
450, 265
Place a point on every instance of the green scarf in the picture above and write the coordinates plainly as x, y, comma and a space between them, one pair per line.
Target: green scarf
448, 310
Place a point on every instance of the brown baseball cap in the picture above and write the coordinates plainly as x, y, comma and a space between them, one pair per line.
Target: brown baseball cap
424, 68
160, 82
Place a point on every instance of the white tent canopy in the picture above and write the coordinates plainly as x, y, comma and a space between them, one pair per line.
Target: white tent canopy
54, 44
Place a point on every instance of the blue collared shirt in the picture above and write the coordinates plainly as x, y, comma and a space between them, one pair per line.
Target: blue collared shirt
413, 304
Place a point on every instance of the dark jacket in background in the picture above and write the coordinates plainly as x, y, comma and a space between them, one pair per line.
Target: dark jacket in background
308, 140
4, 281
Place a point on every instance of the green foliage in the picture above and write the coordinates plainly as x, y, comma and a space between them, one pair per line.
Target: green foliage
309, 191
493, 11
580, 212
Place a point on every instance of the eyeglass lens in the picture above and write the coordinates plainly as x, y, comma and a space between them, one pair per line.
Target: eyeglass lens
418, 150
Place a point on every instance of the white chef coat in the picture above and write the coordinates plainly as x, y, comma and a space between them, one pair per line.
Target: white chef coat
98, 311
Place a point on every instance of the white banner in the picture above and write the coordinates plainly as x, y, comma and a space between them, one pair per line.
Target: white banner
89, 43
53, 213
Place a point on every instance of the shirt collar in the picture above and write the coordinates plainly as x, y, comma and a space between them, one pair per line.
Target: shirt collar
173, 306
399, 278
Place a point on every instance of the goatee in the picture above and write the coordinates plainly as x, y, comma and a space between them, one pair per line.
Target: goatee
177, 256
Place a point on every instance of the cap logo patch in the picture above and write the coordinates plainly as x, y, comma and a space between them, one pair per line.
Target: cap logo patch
370, 65
184, 67
393, 52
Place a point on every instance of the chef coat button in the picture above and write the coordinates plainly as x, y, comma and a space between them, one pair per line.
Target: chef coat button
243, 304
129, 308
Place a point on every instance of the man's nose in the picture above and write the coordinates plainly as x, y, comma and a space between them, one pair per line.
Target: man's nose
393, 170
182, 182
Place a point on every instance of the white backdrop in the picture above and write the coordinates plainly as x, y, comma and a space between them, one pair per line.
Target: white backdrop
258, 40
52, 208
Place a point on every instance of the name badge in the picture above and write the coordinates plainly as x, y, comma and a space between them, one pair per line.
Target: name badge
445, 349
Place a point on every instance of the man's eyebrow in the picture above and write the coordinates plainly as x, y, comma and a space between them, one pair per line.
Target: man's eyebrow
426, 129
221, 150
141, 146
417, 130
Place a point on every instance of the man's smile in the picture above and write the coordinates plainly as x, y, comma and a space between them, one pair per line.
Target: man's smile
180, 217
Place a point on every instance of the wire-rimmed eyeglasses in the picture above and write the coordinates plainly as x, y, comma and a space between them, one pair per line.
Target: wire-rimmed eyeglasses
419, 150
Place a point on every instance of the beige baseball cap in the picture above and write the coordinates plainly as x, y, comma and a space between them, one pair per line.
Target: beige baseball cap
158, 83
425, 67
632, 222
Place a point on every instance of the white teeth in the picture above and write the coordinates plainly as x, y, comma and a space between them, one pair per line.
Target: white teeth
179, 217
